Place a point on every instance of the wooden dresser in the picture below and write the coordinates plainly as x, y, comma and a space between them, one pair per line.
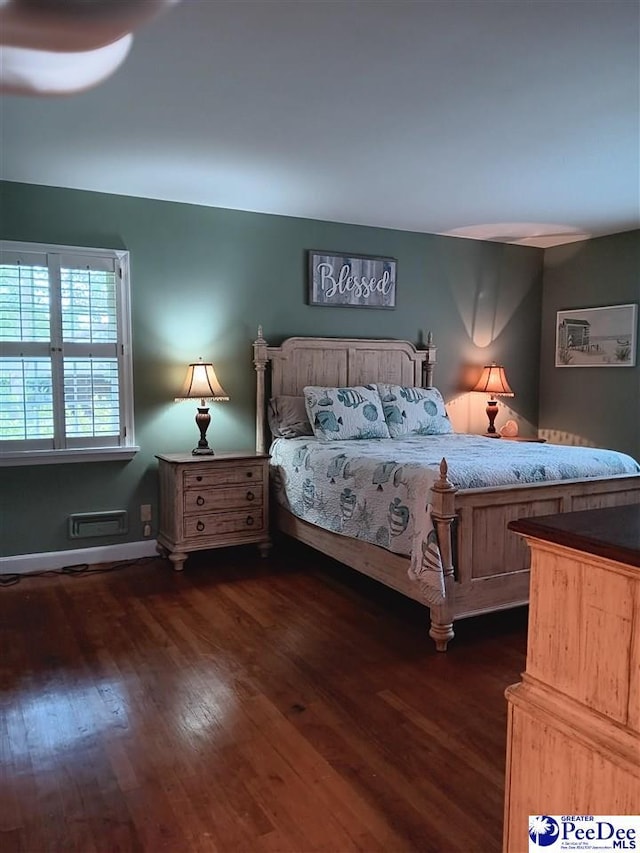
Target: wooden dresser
573, 740
212, 501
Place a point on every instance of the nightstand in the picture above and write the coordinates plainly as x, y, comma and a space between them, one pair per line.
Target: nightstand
212, 502
513, 437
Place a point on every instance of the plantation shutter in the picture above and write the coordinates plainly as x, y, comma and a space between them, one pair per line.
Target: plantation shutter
62, 370
89, 333
26, 394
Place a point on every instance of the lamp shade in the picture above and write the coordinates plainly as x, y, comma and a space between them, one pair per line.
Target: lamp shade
201, 383
493, 380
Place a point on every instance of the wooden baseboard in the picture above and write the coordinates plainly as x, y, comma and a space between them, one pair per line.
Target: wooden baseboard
24, 564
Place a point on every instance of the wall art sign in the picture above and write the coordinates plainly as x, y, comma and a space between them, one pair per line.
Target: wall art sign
353, 281
597, 337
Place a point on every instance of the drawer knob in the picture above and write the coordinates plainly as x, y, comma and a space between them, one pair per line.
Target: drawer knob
251, 496
249, 473
200, 500
199, 478
200, 525
250, 520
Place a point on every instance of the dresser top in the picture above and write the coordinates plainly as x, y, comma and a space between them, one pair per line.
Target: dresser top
612, 532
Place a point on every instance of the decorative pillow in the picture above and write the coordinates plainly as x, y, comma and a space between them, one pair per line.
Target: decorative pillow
345, 413
419, 411
288, 417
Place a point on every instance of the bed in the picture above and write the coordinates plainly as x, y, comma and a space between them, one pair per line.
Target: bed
479, 565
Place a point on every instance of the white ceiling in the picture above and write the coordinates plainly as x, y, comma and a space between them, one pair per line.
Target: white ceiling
509, 120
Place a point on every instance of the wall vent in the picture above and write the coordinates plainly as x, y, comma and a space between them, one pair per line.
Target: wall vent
85, 525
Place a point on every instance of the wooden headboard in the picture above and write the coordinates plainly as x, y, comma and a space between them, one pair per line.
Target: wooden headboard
335, 362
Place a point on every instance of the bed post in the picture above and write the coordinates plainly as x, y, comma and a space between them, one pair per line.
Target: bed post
443, 514
429, 361
260, 359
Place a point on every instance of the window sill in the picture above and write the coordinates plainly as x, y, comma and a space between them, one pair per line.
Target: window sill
52, 457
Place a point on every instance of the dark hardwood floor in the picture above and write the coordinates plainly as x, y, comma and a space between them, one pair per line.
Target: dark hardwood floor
247, 705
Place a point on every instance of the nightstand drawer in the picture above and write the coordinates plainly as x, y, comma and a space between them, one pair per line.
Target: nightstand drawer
204, 500
238, 521
222, 475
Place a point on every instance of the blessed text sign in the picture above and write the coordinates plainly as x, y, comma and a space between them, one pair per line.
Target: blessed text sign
355, 281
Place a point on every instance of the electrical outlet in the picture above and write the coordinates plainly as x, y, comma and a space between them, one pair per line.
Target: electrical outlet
145, 512
146, 530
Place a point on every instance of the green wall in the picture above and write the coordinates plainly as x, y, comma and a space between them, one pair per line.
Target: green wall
593, 405
202, 279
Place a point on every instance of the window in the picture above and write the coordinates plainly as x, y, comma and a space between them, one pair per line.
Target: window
65, 354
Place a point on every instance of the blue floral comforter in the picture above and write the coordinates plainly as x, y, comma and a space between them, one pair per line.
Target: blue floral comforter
378, 490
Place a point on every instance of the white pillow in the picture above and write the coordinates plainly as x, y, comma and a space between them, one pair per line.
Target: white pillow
345, 413
418, 411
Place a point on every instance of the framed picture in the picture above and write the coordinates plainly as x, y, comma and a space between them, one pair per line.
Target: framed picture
597, 337
351, 281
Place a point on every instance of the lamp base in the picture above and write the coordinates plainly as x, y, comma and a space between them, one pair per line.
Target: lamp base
203, 419
206, 451
492, 411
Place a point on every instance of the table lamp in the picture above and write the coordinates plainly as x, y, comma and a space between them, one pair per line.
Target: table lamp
493, 381
202, 383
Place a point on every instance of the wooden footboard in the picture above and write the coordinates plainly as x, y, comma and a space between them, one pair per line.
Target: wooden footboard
492, 563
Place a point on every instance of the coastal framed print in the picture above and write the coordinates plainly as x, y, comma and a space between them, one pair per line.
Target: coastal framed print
597, 337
